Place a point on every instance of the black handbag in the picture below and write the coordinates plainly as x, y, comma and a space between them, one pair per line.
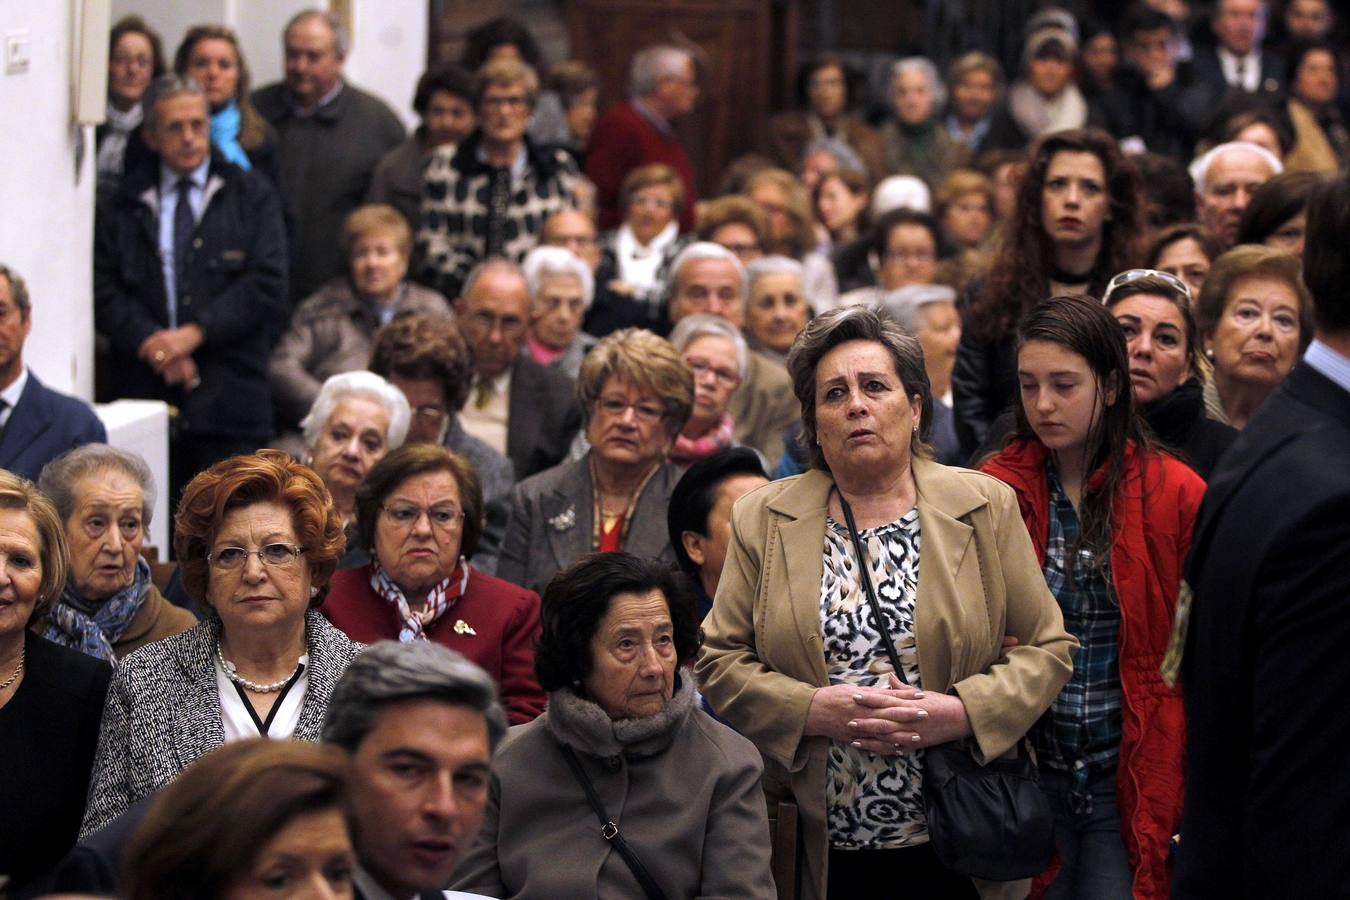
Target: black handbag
991, 822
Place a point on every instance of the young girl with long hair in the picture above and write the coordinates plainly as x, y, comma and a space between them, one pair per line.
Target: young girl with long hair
1110, 518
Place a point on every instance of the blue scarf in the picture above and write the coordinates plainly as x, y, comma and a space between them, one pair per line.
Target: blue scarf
93, 628
225, 135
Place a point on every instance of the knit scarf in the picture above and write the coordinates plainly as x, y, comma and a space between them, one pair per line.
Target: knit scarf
93, 627
225, 135
1036, 114
688, 451
439, 599
121, 126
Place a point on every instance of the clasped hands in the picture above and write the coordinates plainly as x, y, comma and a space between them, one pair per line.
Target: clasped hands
169, 352
886, 720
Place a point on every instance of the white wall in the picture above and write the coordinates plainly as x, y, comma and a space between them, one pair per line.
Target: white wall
47, 220
389, 38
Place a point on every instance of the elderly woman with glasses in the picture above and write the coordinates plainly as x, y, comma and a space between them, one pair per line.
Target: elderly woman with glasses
637, 394
257, 539
419, 513
561, 290
716, 354
108, 607
1167, 375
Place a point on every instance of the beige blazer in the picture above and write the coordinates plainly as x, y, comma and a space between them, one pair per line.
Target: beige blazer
762, 659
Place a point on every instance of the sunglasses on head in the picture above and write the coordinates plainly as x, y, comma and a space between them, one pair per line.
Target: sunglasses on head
1130, 276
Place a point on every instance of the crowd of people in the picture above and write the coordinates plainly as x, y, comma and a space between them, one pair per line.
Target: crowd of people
544, 528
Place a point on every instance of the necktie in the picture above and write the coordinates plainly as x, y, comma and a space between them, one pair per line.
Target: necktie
182, 234
482, 394
1241, 73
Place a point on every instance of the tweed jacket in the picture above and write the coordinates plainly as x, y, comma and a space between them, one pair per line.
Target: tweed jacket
458, 214
763, 660
163, 712
550, 524
332, 331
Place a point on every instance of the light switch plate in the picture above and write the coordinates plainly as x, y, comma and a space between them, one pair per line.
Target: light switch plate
18, 52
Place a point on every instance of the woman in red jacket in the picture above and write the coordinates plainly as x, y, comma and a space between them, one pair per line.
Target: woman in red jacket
419, 512
1111, 519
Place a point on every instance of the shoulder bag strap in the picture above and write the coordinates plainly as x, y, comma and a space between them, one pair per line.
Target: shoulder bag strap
871, 592
610, 831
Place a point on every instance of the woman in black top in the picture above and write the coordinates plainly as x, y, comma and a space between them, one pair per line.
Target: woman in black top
51, 697
1166, 372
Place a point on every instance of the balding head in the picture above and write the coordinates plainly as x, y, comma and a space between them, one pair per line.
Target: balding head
493, 312
708, 278
1225, 179
574, 230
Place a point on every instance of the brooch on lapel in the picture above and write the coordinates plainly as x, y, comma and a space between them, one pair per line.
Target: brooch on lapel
565, 520
462, 627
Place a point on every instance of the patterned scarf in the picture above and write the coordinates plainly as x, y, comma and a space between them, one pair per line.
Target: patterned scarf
439, 599
688, 451
225, 135
93, 628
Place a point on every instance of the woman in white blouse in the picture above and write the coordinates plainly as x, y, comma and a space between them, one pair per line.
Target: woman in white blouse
652, 197
257, 538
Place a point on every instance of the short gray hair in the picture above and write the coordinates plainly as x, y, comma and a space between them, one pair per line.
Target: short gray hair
1199, 168
59, 477
358, 384
844, 155
169, 85
856, 323
492, 262
707, 250
773, 265
691, 328
546, 260
390, 671
651, 64
924, 66
904, 304
341, 40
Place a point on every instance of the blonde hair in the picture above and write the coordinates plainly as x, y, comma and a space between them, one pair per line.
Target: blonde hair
644, 360
53, 552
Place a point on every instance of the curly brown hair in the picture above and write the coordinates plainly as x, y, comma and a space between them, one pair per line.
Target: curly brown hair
268, 476
425, 347
1020, 275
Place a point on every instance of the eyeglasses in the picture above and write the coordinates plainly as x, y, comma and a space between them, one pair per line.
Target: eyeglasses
645, 412
1131, 276
484, 322
514, 102
143, 62
405, 515
430, 414
743, 249
699, 366
653, 202
274, 556
572, 242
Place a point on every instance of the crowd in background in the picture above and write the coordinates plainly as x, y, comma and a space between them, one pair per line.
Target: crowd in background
496, 385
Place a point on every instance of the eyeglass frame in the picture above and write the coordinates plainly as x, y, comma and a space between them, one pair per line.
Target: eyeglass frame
1130, 276
295, 552
459, 518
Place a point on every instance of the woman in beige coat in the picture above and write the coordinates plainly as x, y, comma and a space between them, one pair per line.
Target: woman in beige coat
792, 658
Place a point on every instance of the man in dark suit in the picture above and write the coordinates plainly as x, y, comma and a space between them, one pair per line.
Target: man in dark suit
516, 406
1265, 671
190, 282
36, 423
1235, 63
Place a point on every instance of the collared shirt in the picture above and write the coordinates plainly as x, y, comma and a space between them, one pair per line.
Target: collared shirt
656, 121
11, 395
1251, 68
517, 165
168, 205
489, 423
1319, 356
1082, 733
970, 138
326, 99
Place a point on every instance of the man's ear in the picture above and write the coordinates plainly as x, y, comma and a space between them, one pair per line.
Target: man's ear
693, 545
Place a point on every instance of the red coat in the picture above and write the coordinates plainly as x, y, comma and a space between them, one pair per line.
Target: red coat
504, 617
623, 140
1153, 514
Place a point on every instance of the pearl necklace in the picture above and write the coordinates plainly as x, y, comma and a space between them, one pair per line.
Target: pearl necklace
23, 651
233, 674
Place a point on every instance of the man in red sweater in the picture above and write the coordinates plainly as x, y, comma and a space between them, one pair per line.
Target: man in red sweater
663, 85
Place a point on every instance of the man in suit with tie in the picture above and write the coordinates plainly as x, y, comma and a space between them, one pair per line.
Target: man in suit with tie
36, 423
1265, 672
1236, 63
516, 406
190, 284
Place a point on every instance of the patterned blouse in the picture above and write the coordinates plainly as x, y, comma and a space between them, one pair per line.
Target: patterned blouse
873, 802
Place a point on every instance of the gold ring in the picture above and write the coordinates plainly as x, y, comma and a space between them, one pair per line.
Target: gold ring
159, 356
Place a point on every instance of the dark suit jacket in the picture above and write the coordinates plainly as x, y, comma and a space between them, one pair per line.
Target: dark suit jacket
94, 866
551, 520
1267, 809
43, 425
1202, 97
542, 417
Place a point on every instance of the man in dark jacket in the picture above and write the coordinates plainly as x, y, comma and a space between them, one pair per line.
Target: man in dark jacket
1267, 787
189, 282
331, 136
